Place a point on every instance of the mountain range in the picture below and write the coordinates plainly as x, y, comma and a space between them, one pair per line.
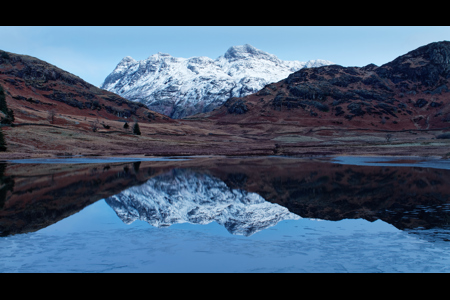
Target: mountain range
327, 109
180, 87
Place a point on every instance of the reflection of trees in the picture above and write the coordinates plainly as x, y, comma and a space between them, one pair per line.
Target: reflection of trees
46, 193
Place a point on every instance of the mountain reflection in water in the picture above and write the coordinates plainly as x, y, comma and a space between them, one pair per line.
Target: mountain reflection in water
182, 195
243, 194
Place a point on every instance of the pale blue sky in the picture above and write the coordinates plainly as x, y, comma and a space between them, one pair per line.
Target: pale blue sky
93, 52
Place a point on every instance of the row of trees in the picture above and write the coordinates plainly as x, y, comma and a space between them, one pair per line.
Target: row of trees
96, 124
136, 129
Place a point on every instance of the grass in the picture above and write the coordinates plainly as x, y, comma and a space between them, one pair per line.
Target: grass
295, 139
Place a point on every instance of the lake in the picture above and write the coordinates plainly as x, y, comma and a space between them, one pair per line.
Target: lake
225, 214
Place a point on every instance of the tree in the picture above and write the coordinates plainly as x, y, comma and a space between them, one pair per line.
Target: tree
3, 106
95, 125
9, 117
9, 114
2, 141
126, 126
136, 129
51, 116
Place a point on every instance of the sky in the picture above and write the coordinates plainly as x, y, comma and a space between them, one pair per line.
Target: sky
92, 52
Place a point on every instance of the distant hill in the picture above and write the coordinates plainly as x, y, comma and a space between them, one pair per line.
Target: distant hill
410, 92
34, 87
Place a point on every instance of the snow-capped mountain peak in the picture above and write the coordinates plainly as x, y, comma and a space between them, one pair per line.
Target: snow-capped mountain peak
248, 52
179, 87
125, 62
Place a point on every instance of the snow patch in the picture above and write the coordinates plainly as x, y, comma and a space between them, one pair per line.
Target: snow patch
174, 86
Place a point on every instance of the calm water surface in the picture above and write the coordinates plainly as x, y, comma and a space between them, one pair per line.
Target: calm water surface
249, 214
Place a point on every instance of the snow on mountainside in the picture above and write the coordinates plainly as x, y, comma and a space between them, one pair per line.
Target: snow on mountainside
182, 195
180, 87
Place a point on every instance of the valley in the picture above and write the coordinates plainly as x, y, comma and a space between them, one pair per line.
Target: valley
400, 108
186, 138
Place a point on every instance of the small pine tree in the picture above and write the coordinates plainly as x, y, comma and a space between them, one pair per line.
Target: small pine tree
136, 129
3, 106
126, 126
2, 141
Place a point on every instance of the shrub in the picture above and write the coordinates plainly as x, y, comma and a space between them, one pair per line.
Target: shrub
444, 136
95, 125
4, 55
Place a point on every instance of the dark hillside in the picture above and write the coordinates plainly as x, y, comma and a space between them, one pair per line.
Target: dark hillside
411, 92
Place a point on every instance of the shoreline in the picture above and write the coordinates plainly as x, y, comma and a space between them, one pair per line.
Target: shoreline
364, 159
5, 156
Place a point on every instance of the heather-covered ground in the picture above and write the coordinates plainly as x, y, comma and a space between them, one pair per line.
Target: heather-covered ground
207, 138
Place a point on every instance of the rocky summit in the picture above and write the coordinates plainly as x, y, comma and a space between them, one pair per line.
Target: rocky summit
180, 87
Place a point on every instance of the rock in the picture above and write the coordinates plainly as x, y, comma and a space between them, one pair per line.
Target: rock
435, 104
339, 111
425, 65
356, 109
236, 107
421, 103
